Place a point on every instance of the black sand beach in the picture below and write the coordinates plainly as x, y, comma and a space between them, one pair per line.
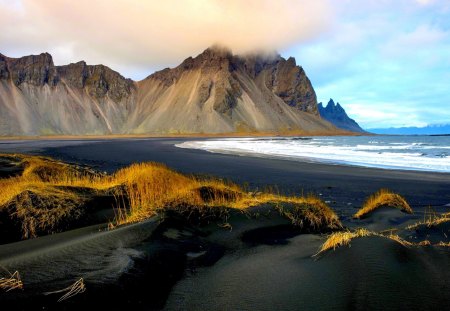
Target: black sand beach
338, 184
261, 264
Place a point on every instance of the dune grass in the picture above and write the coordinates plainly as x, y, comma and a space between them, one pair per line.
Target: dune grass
343, 238
431, 219
383, 198
151, 188
12, 282
311, 213
76, 288
48, 191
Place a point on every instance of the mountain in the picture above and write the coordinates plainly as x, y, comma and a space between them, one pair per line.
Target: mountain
336, 115
433, 129
215, 92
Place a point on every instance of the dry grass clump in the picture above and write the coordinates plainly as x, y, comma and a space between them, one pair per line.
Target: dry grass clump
12, 282
152, 188
383, 198
49, 191
312, 213
424, 243
42, 172
76, 288
344, 238
46, 170
47, 195
43, 210
431, 219
398, 239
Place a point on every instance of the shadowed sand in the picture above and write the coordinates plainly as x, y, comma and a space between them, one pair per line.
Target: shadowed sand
262, 263
374, 274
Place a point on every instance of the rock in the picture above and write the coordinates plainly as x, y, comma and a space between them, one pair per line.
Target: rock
98, 80
335, 114
37, 70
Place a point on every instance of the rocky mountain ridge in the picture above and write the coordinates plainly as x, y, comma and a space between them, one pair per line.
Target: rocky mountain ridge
215, 92
336, 115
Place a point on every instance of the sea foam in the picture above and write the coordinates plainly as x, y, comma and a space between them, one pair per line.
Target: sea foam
407, 153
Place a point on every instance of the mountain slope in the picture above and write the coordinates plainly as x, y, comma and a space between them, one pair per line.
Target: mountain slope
215, 92
38, 98
335, 114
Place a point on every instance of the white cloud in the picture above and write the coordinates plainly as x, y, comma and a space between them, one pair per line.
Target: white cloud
135, 33
422, 40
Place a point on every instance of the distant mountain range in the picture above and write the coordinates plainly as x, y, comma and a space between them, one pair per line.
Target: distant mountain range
335, 114
434, 129
215, 92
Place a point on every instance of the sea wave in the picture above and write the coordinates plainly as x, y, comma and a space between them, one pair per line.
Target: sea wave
423, 156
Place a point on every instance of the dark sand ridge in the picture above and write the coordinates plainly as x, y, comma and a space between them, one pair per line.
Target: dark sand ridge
260, 264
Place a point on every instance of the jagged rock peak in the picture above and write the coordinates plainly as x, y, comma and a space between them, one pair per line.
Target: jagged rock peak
335, 114
333, 107
39, 70
99, 80
33, 69
283, 77
213, 59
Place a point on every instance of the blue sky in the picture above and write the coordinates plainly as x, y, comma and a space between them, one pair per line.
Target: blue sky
386, 61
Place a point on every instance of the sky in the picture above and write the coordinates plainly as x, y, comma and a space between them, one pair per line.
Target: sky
386, 61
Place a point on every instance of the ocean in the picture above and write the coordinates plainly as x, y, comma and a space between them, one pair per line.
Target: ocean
421, 153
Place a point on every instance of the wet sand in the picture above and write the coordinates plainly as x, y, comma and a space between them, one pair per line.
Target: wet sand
261, 264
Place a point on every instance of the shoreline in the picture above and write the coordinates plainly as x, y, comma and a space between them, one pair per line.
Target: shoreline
185, 135
313, 160
387, 153
178, 140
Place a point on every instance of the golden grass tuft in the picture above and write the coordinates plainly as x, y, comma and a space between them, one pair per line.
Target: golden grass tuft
49, 191
12, 282
431, 219
398, 239
424, 243
312, 213
76, 288
383, 198
343, 238
151, 188
42, 210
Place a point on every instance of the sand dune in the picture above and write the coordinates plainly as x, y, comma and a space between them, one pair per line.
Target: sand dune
373, 274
